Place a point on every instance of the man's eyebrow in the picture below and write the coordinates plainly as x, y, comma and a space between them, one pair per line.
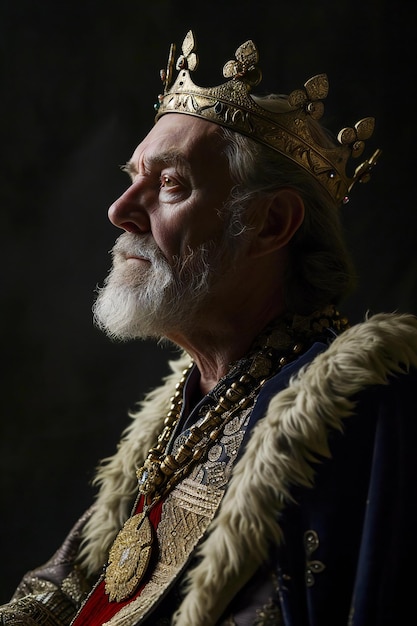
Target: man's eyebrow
169, 157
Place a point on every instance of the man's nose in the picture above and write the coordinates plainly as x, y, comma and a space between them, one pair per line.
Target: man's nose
129, 213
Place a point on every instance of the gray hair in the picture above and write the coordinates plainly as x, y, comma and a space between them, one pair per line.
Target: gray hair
320, 270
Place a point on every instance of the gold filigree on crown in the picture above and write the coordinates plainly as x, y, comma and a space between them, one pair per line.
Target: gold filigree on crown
230, 104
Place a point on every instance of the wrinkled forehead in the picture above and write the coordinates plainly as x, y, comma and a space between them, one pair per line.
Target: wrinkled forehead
183, 135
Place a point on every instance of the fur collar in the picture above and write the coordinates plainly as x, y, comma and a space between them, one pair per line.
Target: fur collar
366, 354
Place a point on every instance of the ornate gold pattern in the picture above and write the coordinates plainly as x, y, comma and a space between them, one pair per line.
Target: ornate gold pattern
201, 499
75, 586
186, 515
233, 444
233, 426
215, 453
231, 105
311, 543
48, 609
269, 615
129, 557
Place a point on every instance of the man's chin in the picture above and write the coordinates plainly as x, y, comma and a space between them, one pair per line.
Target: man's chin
124, 330
122, 316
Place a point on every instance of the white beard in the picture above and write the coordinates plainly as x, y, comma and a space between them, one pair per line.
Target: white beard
140, 300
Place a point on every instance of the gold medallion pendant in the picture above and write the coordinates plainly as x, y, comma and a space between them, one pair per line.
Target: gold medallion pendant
129, 557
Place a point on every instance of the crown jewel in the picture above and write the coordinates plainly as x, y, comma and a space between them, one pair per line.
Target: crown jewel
230, 104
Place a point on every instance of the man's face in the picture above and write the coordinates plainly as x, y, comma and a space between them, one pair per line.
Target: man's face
175, 251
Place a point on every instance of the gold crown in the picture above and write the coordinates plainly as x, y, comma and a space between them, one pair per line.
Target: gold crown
230, 104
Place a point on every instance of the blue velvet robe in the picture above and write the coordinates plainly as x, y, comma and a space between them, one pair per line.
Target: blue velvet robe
359, 521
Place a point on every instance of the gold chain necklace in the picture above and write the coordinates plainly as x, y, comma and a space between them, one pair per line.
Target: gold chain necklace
281, 343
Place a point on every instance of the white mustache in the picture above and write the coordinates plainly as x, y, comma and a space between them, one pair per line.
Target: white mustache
129, 244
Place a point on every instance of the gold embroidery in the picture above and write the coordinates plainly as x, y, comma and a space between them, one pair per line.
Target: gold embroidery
235, 424
129, 557
269, 615
197, 498
186, 514
311, 543
75, 586
178, 533
233, 445
216, 474
49, 609
215, 453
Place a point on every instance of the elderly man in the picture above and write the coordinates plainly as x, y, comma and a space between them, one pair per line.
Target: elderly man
266, 481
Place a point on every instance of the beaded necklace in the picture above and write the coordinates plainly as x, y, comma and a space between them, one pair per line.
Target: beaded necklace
281, 342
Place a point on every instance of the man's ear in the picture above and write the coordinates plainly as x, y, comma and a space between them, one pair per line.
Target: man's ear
280, 218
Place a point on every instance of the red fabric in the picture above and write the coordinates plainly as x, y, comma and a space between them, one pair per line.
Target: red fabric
98, 609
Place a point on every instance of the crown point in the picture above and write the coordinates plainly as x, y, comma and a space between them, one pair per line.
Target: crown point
297, 98
188, 45
317, 87
365, 127
346, 136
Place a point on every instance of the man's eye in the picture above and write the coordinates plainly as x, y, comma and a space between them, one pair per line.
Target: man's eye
167, 181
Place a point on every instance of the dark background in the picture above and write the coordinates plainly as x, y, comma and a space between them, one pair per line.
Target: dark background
78, 84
